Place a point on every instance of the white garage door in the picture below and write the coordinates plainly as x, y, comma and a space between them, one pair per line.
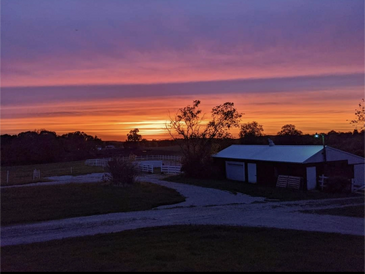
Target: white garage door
235, 171
359, 175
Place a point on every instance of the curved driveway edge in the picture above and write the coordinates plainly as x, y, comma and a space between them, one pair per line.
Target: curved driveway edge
202, 207
202, 196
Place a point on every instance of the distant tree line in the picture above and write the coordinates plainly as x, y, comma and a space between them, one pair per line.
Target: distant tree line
42, 146
353, 142
197, 140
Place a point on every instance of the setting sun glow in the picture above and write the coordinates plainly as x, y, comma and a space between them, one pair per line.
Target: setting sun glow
108, 68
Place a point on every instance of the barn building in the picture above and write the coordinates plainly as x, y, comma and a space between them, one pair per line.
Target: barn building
262, 164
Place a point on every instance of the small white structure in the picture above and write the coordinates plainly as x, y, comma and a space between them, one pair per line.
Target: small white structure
36, 174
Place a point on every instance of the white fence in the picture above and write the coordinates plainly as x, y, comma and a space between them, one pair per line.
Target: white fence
357, 186
158, 157
97, 162
146, 168
171, 169
154, 164
322, 181
323, 184
104, 161
146, 163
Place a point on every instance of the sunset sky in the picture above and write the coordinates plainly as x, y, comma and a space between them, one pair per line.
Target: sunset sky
108, 66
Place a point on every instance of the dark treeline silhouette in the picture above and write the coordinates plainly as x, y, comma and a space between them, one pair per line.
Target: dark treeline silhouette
42, 146
36, 147
352, 142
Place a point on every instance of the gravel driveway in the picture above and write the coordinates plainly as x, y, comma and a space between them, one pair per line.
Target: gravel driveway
203, 206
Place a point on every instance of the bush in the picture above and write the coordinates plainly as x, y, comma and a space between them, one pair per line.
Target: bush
123, 172
200, 168
338, 184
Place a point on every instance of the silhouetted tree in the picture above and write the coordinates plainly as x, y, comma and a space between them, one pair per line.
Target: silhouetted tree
197, 139
43, 146
289, 129
133, 136
79, 143
252, 129
360, 116
252, 133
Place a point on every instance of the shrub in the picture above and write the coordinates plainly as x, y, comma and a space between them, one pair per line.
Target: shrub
338, 184
123, 172
200, 168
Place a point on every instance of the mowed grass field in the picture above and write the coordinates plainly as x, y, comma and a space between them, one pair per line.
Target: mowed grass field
192, 249
42, 203
24, 174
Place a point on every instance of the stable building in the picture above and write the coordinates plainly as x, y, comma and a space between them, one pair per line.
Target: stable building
263, 164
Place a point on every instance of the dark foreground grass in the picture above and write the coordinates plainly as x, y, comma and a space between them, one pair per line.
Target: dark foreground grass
24, 174
257, 190
349, 211
192, 248
43, 203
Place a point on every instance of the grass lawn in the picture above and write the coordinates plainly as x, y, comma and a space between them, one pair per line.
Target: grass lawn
257, 190
42, 203
192, 248
24, 174
349, 211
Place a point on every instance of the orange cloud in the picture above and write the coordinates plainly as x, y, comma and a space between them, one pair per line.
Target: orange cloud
113, 119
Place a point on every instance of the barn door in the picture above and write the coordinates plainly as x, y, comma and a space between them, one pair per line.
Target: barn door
311, 178
359, 173
252, 173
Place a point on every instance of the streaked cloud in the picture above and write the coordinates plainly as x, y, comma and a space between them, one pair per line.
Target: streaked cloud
108, 66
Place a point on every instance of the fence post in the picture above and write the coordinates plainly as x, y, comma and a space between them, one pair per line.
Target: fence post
352, 185
7, 177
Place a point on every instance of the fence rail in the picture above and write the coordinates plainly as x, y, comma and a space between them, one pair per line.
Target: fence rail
104, 162
322, 181
146, 168
97, 162
151, 162
357, 187
171, 169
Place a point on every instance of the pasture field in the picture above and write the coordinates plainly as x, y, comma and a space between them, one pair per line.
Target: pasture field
43, 203
24, 174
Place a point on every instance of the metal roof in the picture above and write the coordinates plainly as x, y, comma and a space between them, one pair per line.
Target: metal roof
276, 153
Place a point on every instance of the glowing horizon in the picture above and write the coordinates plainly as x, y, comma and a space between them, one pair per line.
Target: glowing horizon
112, 119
